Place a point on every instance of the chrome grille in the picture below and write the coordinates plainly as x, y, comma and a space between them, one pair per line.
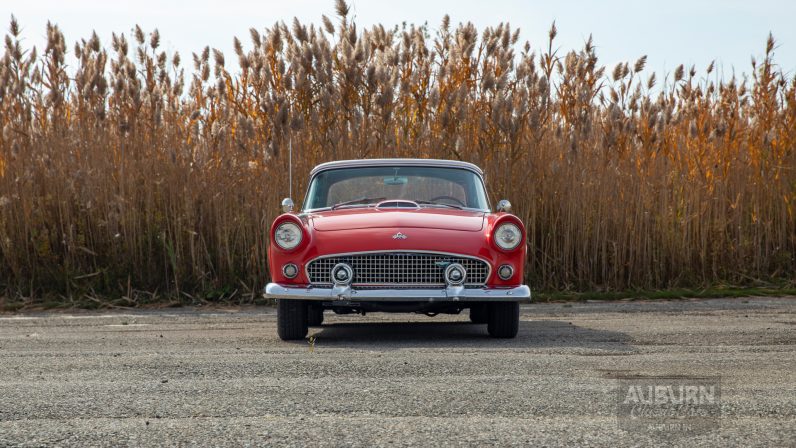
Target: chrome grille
398, 268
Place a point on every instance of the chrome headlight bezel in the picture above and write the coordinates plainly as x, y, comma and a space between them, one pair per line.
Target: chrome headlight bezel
508, 236
288, 235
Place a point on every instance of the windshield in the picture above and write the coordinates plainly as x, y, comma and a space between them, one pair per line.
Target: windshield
432, 187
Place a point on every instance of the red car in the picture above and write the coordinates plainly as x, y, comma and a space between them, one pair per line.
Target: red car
397, 235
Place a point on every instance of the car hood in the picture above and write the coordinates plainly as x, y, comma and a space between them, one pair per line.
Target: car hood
371, 218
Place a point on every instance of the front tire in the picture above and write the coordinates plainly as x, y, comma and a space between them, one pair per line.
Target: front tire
504, 319
315, 316
291, 319
479, 314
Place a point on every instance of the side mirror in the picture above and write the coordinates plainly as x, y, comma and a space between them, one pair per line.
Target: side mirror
504, 206
287, 205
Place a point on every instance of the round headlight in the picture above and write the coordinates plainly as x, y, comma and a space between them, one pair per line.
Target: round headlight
508, 236
288, 235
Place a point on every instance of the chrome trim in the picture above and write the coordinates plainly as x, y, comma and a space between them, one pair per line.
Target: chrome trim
401, 251
520, 293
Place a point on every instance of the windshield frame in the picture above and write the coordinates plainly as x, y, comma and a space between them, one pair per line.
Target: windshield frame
477, 174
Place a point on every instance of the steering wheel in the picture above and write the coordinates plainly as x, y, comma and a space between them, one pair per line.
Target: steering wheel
450, 198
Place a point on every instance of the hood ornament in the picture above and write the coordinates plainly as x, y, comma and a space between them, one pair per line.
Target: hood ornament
399, 236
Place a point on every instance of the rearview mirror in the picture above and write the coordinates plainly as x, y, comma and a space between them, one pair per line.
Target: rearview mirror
287, 205
395, 180
504, 206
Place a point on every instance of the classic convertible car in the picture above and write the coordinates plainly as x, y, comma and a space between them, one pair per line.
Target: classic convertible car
397, 235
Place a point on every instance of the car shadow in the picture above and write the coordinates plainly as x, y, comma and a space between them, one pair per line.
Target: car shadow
532, 334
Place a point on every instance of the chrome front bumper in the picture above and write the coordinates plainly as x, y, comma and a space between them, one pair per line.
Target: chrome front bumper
449, 294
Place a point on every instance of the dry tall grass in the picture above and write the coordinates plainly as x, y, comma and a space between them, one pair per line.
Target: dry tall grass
137, 175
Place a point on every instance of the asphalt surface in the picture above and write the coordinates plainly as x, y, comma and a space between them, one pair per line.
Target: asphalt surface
222, 377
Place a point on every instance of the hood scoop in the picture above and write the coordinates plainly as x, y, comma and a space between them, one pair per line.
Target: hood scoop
397, 203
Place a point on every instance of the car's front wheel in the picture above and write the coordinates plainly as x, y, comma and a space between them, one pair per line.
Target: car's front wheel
315, 315
291, 319
479, 314
504, 319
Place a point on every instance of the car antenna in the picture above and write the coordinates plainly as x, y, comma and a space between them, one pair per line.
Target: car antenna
290, 167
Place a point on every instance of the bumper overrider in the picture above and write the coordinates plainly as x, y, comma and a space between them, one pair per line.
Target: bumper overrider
347, 293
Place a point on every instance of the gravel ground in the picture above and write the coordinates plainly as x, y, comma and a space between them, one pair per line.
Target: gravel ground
221, 376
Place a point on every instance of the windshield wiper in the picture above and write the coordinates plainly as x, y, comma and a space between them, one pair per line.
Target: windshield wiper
357, 201
439, 203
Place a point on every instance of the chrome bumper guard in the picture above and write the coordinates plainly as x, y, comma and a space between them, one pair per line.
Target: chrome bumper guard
449, 294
